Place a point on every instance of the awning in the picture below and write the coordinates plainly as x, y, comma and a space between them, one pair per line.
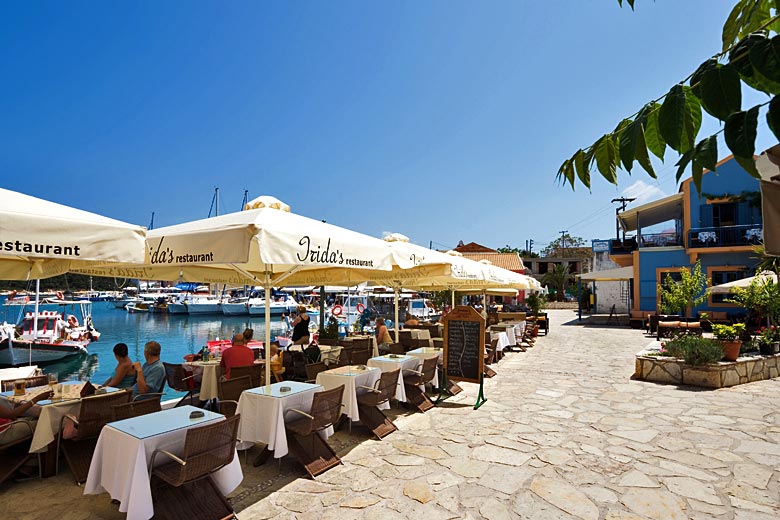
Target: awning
609, 275
661, 210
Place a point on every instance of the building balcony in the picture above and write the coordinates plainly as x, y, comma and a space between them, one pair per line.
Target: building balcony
622, 247
652, 240
725, 236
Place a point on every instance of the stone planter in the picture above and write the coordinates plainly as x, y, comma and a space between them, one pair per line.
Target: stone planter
731, 350
668, 370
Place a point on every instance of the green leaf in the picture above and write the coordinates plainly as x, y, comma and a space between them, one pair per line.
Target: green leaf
695, 81
629, 2
765, 58
606, 154
746, 17
681, 164
655, 141
641, 155
739, 57
706, 153
721, 93
696, 172
740, 132
582, 167
564, 173
680, 118
773, 116
749, 165
627, 143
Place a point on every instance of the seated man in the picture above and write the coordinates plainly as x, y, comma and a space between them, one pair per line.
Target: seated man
411, 320
150, 376
239, 355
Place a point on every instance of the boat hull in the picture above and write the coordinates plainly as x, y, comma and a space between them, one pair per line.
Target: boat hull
177, 308
235, 309
203, 308
24, 352
259, 310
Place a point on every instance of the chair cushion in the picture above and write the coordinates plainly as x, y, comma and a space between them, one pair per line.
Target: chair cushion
691, 325
669, 324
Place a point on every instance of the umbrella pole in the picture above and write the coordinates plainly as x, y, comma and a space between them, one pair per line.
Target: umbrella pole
35, 316
452, 299
267, 289
395, 301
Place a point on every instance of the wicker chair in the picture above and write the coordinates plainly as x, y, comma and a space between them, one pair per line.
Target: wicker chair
296, 369
136, 408
413, 379
405, 338
230, 392
179, 381
311, 450
94, 412
361, 355
345, 356
181, 488
312, 369
382, 391
397, 348
14, 454
490, 358
254, 371
29, 382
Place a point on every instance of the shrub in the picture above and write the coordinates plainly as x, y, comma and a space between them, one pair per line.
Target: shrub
694, 350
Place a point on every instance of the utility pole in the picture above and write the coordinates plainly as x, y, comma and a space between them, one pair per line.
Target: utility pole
623, 201
563, 240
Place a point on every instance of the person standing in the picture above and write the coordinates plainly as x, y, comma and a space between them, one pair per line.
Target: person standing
300, 335
150, 375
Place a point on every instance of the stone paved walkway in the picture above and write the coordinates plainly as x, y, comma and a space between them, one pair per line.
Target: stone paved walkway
565, 434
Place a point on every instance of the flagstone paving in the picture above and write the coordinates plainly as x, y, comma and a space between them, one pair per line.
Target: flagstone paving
565, 433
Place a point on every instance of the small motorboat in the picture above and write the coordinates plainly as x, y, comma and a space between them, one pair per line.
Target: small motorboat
45, 338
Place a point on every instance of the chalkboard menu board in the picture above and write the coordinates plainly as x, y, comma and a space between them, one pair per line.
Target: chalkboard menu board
464, 344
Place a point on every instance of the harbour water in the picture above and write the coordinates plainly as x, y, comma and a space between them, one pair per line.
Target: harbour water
178, 335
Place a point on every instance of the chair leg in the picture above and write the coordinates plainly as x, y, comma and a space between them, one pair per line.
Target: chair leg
317, 459
375, 419
418, 398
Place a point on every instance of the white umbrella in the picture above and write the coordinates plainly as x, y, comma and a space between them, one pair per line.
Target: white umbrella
268, 246
725, 288
41, 239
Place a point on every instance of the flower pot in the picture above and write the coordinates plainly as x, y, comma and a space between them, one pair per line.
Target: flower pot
775, 348
766, 349
731, 350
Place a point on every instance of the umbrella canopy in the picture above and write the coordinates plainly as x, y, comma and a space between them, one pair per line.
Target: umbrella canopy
41, 239
725, 288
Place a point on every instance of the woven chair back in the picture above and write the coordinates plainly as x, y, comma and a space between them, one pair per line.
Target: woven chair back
429, 369
97, 410
326, 408
254, 372
312, 369
29, 382
345, 356
231, 389
174, 375
207, 449
386, 385
361, 355
136, 408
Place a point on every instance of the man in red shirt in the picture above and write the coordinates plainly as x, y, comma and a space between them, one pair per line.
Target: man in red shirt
239, 355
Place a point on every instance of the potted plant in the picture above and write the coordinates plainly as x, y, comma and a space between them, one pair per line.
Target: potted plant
694, 350
729, 336
769, 340
535, 302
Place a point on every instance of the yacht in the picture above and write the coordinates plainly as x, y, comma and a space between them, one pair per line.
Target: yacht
280, 304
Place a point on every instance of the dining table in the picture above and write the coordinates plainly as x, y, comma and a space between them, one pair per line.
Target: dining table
422, 336
353, 377
390, 362
209, 373
503, 340
263, 409
120, 464
52, 410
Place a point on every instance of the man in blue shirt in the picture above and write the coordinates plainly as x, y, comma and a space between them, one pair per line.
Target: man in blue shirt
151, 375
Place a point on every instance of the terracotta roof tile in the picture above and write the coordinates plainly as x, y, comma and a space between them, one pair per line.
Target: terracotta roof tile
509, 261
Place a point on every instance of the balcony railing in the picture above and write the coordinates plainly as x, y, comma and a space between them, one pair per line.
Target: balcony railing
725, 236
622, 247
660, 240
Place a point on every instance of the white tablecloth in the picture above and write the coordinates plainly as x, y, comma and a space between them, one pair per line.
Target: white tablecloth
386, 364
262, 416
209, 373
503, 340
338, 376
120, 466
422, 334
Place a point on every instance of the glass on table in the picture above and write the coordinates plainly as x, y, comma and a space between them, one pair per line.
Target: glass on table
19, 387
53, 379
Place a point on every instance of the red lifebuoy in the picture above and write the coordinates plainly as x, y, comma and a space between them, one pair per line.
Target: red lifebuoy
336, 310
360, 308
60, 296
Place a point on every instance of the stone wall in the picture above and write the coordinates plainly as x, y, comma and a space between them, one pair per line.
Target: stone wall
660, 369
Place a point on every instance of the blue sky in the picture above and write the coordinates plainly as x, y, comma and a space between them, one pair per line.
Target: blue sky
441, 120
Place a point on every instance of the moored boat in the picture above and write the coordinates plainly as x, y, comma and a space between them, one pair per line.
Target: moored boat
53, 339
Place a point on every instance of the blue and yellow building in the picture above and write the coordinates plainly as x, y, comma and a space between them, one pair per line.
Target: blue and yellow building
719, 226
